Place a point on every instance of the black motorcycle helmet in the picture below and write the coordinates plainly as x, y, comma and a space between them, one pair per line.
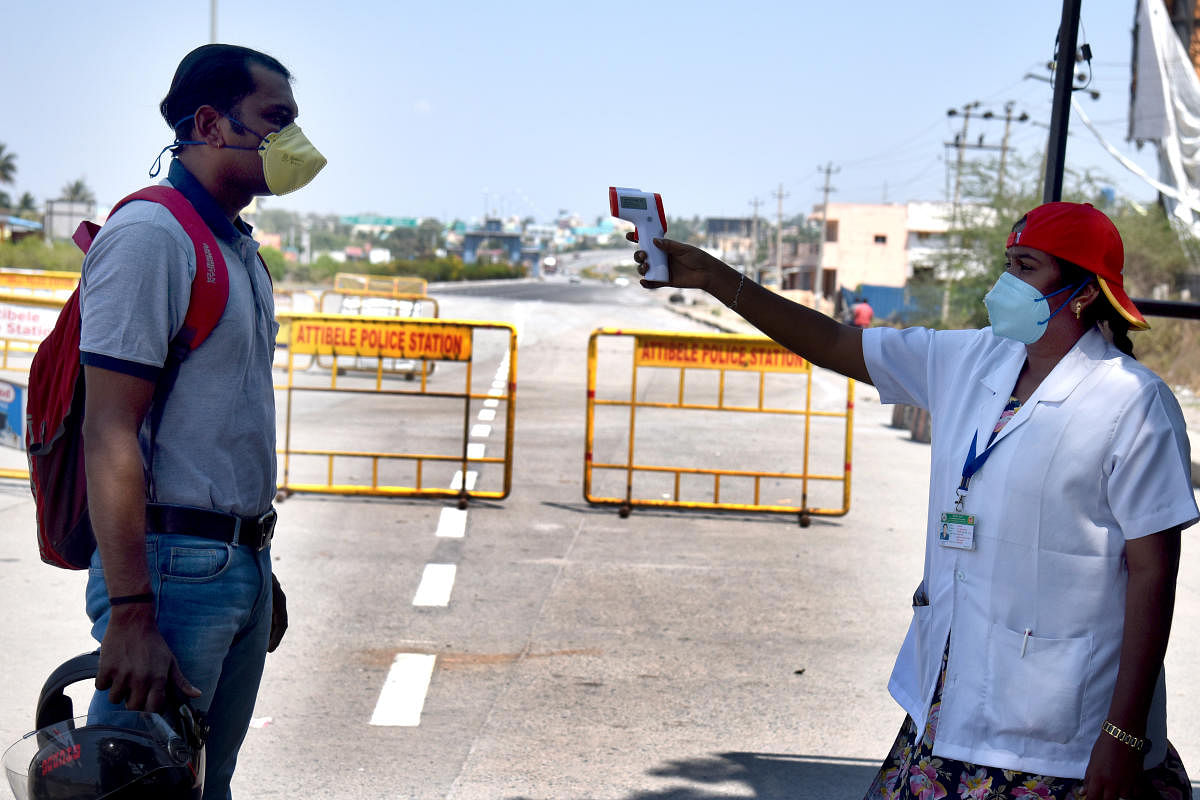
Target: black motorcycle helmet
125, 755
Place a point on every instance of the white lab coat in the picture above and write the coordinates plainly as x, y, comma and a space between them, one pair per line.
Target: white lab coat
1097, 455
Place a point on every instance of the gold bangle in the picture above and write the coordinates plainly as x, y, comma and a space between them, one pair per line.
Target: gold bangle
1136, 742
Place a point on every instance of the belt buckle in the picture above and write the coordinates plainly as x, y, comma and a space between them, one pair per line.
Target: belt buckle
266, 527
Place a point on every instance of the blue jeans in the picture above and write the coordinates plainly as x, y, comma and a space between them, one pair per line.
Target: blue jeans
213, 607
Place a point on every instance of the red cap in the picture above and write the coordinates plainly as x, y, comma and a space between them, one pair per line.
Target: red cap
1079, 233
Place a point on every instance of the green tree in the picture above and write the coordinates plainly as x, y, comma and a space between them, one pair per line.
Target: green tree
431, 235
8, 165
686, 230
973, 255
276, 263
78, 191
27, 207
5, 200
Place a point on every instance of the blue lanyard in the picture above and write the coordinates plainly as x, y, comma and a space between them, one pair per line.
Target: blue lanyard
972, 465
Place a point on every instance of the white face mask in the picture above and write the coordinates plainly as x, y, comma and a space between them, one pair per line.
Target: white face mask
1016, 309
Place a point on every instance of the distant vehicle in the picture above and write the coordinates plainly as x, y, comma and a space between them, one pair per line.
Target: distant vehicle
575, 279
676, 297
621, 280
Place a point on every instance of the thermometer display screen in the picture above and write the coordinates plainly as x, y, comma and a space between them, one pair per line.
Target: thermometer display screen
639, 203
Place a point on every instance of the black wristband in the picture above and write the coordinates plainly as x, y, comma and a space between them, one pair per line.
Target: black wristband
128, 599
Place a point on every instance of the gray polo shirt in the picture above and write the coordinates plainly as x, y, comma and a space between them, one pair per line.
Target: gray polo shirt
215, 446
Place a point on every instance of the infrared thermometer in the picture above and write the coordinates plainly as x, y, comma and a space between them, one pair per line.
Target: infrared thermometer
645, 211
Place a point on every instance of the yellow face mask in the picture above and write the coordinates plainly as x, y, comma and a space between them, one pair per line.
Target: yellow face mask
289, 160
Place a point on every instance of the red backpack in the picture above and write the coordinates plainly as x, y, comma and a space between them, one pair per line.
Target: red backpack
54, 434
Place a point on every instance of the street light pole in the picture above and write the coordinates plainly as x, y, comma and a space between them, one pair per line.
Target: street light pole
212, 21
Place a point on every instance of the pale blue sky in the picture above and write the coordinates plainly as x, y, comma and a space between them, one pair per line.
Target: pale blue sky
421, 108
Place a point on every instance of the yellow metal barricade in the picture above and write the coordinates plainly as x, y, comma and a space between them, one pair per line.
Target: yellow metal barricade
13, 465
374, 303
25, 319
438, 459
728, 376
380, 284
38, 282
370, 303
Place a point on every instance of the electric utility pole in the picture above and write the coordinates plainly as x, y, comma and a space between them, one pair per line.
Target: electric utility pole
779, 195
754, 241
212, 21
829, 171
960, 143
1008, 120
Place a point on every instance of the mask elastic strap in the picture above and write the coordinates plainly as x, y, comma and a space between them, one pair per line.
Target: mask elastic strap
1047, 297
156, 167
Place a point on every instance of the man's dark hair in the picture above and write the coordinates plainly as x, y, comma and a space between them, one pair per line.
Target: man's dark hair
217, 75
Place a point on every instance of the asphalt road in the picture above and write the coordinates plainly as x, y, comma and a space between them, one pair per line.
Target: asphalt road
668, 656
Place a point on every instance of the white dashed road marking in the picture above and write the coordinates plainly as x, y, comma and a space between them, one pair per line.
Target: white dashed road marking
457, 483
452, 524
403, 694
437, 583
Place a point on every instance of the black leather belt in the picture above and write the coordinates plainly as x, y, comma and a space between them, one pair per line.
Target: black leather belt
254, 532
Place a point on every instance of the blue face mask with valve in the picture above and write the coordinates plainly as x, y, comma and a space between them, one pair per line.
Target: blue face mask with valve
1019, 311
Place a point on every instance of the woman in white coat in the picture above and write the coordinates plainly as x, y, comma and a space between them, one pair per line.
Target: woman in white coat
1060, 482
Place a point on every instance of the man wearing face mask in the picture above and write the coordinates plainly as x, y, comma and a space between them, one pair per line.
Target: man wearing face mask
1059, 485
180, 456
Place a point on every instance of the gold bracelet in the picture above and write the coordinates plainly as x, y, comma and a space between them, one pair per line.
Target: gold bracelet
1136, 742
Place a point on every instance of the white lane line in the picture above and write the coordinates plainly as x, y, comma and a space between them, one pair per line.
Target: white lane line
452, 524
494, 392
403, 695
491, 403
436, 584
475, 450
487, 415
457, 483
481, 431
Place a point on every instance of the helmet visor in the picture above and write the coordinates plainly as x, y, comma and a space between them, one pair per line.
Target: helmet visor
75, 759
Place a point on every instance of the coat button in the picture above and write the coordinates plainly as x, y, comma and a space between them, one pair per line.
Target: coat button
962, 576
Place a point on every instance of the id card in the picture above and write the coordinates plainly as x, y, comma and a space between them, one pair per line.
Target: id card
958, 530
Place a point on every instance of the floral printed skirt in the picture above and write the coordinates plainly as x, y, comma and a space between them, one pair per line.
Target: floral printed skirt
911, 772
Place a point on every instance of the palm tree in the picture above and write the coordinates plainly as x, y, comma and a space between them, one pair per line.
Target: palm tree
78, 192
27, 205
8, 165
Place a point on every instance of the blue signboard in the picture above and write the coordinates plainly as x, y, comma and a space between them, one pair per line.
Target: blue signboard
12, 415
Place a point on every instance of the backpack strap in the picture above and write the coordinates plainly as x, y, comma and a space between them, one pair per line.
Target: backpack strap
210, 286
210, 293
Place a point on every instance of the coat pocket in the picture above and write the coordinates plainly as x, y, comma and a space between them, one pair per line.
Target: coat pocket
1036, 684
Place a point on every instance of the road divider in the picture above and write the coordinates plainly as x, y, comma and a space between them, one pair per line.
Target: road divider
742, 396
